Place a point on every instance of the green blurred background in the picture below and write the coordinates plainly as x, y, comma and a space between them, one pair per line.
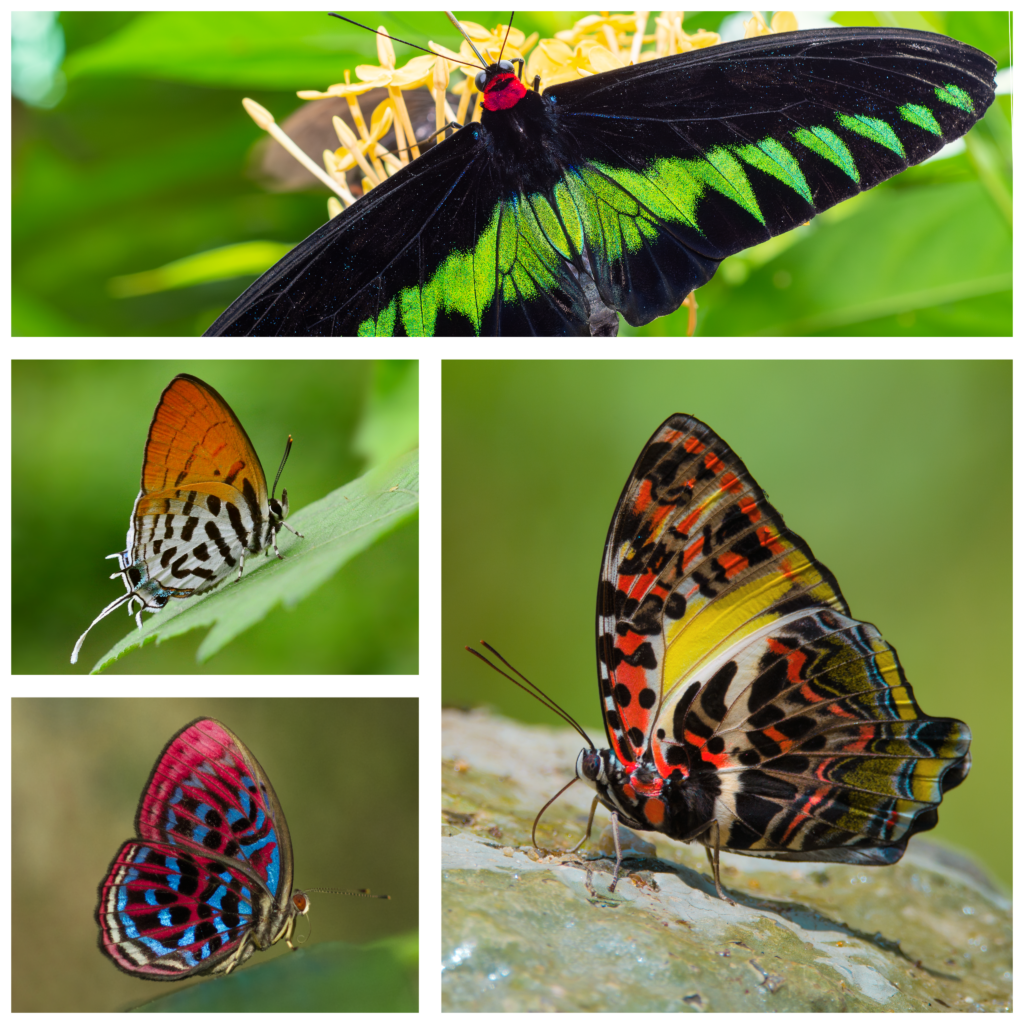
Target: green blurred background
898, 475
136, 157
79, 767
79, 430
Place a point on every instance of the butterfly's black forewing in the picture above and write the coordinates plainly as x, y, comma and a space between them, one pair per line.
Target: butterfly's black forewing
639, 181
749, 139
344, 278
343, 272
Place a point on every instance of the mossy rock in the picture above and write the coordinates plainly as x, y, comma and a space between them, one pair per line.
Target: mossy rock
528, 931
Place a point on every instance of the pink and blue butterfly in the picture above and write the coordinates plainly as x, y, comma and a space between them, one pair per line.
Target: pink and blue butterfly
208, 881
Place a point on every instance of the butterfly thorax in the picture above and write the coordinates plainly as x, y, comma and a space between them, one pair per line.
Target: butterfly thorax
679, 806
526, 145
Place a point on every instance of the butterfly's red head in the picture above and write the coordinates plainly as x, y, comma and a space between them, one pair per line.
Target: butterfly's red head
501, 88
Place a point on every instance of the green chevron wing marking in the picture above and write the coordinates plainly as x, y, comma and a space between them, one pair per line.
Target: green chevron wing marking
874, 129
827, 144
921, 116
771, 157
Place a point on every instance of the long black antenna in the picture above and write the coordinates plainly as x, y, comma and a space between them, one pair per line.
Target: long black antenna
483, 60
416, 46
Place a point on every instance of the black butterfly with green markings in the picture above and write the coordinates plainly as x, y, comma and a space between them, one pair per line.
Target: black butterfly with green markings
622, 191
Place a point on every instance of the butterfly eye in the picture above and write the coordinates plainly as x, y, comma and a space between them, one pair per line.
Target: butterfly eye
506, 67
588, 765
481, 80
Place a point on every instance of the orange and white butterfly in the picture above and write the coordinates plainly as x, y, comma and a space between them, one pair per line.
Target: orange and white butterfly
202, 506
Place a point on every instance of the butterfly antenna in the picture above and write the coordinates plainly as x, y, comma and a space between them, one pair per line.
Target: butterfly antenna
415, 46
351, 892
535, 691
280, 469
455, 22
532, 689
507, 31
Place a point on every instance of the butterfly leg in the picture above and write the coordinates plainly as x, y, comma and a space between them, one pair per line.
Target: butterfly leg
619, 852
590, 824
713, 860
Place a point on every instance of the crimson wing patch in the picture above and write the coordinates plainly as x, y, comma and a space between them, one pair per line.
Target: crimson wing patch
737, 689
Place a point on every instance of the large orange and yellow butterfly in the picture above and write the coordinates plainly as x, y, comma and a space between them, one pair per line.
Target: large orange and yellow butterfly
745, 707
202, 505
